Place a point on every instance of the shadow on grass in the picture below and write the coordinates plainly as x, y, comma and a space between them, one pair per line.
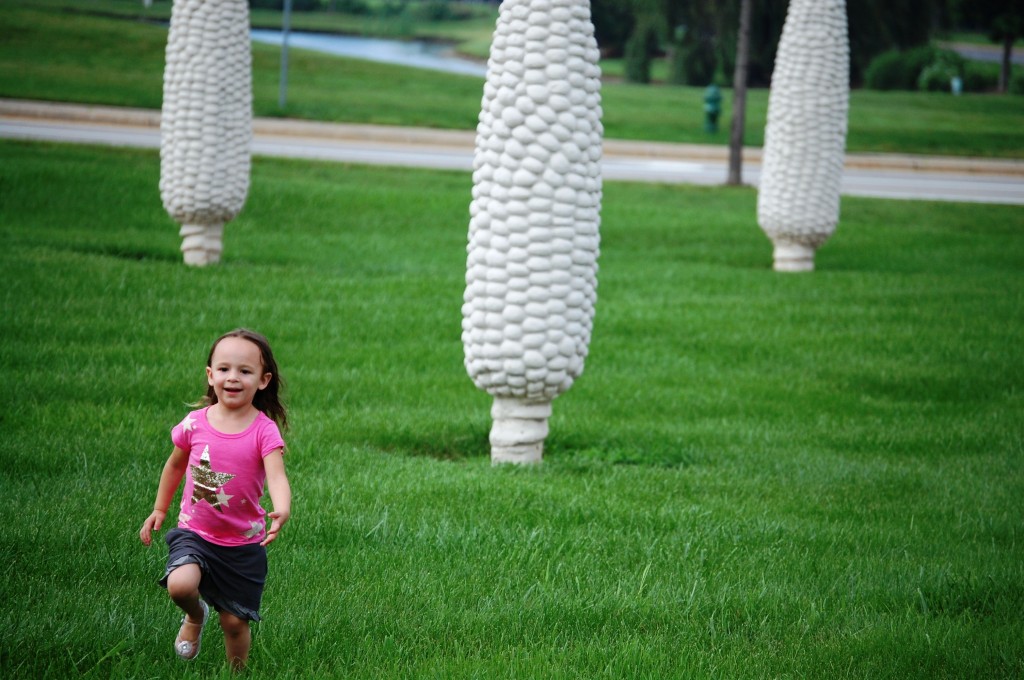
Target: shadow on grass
572, 451
125, 253
968, 594
451, 445
579, 451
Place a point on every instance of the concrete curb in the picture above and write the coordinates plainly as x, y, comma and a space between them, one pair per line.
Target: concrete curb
427, 137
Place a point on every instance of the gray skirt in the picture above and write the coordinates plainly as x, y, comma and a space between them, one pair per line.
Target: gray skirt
233, 577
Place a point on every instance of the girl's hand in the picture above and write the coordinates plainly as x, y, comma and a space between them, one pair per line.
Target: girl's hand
152, 523
279, 519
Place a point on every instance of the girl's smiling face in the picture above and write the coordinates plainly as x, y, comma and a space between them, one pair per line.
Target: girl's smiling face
236, 372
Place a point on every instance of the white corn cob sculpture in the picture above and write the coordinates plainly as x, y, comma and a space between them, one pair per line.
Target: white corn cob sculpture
805, 136
531, 274
206, 123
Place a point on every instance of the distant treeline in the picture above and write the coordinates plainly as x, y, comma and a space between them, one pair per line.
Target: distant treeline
698, 37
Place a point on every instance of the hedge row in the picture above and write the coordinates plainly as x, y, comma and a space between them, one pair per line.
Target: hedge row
933, 69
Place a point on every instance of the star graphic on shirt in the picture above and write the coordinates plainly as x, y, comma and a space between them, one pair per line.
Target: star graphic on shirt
188, 424
206, 481
256, 530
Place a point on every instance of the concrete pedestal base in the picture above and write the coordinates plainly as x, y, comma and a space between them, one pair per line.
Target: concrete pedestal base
793, 257
519, 430
201, 244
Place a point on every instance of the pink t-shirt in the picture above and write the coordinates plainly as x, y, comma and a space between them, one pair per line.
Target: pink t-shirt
224, 481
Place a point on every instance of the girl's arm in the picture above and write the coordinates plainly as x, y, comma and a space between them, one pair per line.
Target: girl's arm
280, 493
170, 478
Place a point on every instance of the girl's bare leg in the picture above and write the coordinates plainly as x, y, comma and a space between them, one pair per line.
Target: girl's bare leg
183, 587
237, 639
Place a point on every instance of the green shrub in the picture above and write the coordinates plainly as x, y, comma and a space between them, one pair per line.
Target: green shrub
390, 8
355, 7
896, 70
695, 66
980, 76
1017, 83
885, 72
297, 5
676, 65
640, 48
937, 76
438, 10
693, 60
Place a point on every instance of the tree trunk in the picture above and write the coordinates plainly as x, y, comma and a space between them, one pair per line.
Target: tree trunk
739, 96
1004, 69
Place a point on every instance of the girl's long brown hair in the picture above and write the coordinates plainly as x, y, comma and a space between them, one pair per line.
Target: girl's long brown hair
267, 400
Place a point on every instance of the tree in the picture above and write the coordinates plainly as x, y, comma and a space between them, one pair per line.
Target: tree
1003, 20
876, 26
739, 96
701, 35
699, 40
613, 24
640, 49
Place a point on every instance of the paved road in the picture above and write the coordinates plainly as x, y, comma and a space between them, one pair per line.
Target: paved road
984, 52
883, 176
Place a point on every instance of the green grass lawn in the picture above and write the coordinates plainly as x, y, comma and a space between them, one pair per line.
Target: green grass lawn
758, 475
101, 59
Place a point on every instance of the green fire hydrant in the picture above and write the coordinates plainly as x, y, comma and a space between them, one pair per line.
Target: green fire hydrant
712, 107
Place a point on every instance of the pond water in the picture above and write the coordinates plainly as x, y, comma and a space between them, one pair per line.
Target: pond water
415, 53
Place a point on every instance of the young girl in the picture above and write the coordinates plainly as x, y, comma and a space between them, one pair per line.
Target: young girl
224, 452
